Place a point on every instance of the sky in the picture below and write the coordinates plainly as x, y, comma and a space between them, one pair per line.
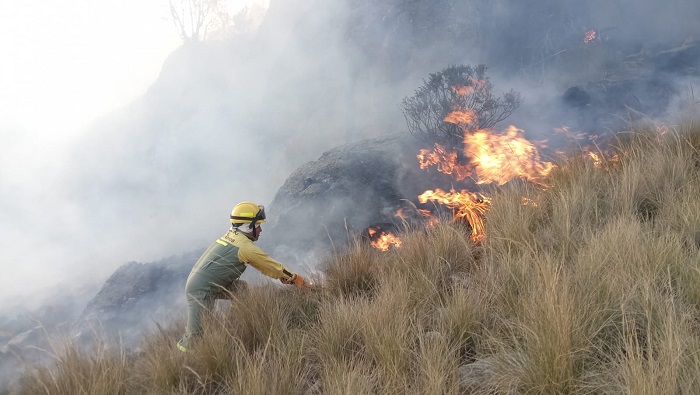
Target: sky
65, 62
64, 65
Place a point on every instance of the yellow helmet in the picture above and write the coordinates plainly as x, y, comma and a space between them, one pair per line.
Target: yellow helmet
246, 212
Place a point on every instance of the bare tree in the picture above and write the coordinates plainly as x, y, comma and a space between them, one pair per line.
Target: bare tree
455, 100
191, 17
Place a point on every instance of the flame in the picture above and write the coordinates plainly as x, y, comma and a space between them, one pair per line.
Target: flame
401, 214
597, 160
493, 158
566, 131
460, 117
432, 220
601, 159
500, 158
589, 36
467, 206
463, 90
446, 162
662, 130
528, 202
383, 240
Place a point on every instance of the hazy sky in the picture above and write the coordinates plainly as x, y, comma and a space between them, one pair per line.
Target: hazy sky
64, 64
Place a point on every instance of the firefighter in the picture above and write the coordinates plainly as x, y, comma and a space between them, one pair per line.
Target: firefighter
216, 273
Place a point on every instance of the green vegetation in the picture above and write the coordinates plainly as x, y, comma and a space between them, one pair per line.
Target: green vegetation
594, 288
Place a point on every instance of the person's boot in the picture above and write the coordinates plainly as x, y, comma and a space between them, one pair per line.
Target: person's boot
182, 345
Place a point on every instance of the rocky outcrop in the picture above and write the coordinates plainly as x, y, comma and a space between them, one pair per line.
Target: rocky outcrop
324, 203
125, 286
136, 296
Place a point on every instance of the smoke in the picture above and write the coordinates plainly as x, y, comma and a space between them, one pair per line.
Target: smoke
230, 120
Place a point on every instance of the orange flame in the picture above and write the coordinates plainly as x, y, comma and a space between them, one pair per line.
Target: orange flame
494, 158
460, 117
383, 240
597, 160
601, 159
468, 206
501, 158
463, 90
528, 202
662, 130
446, 162
432, 220
566, 131
401, 214
589, 36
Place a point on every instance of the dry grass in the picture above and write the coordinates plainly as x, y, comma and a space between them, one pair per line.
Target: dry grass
594, 288
102, 369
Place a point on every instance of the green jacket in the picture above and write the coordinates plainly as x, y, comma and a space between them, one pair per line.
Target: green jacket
226, 259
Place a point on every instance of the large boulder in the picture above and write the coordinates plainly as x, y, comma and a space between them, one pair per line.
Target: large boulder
136, 296
326, 202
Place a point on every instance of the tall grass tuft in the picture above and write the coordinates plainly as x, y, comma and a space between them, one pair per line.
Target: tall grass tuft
101, 368
659, 348
354, 271
158, 366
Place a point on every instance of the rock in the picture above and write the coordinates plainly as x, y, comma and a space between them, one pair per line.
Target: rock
324, 203
126, 284
576, 97
134, 297
477, 377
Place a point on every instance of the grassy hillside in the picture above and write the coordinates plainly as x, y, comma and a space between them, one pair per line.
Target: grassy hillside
591, 287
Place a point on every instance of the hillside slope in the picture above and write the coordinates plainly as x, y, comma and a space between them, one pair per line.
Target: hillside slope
592, 287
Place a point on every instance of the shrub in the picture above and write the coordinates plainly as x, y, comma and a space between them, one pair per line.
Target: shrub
464, 89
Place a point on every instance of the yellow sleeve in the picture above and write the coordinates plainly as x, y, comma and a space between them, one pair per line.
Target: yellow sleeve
259, 259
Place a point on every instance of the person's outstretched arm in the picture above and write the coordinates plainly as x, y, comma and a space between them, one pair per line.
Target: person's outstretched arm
260, 260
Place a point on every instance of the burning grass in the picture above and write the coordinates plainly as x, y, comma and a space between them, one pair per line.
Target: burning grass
591, 287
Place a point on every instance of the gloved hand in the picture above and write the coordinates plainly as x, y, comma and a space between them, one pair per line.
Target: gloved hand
299, 281
296, 280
